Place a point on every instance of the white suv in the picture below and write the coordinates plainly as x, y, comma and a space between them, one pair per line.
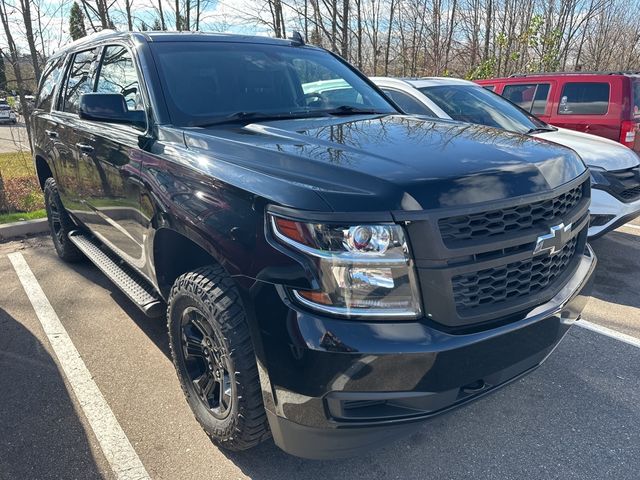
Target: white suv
465, 101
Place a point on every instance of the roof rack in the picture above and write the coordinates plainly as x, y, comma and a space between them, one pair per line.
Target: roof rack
92, 36
621, 72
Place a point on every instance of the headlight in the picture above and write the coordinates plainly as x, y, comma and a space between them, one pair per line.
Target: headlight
363, 270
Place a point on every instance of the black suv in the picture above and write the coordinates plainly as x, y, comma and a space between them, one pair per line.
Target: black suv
332, 271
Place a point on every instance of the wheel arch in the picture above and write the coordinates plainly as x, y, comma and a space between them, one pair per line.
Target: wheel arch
43, 169
175, 253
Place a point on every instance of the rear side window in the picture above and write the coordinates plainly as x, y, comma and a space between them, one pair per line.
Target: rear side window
50, 79
79, 80
118, 75
531, 97
408, 104
636, 97
579, 98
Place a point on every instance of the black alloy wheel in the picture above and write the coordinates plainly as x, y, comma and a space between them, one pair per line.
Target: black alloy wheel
207, 363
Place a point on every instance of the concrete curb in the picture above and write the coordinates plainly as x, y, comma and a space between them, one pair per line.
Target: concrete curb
22, 229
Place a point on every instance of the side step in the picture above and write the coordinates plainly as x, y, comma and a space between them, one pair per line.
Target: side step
132, 285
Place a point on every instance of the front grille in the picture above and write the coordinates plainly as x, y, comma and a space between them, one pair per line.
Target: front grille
518, 279
622, 184
511, 219
630, 194
476, 264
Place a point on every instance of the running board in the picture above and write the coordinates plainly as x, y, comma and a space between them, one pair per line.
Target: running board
126, 279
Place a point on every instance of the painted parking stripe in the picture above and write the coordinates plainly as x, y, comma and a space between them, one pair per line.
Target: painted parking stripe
629, 225
623, 337
119, 452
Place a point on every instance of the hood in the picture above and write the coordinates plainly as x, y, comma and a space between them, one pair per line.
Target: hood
595, 151
390, 162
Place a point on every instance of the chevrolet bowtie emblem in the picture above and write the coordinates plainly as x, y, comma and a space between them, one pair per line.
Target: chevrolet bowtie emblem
553, 241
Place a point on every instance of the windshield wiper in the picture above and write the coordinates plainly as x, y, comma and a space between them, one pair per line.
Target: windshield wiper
351, 110
541, 130
239, 116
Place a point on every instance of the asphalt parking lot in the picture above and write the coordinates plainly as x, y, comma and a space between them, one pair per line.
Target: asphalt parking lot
576, 417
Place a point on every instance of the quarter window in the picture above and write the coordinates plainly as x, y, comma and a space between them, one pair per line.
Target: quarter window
408, 104
580, 98
531, 97
118, 75
79, 80
48, 83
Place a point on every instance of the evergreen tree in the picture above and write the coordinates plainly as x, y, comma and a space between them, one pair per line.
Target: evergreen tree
157, 26
143, 26
76, 22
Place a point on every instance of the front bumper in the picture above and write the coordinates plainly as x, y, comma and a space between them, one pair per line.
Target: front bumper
334, 388
613, 211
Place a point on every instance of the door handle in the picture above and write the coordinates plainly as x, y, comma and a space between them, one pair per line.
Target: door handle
83, 147
51, 133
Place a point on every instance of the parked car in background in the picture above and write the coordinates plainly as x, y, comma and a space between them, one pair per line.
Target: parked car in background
333, 271
615, 169
603, 104
7, 115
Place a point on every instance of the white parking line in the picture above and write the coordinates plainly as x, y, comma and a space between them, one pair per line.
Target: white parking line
119, 452
623, 337
628, 225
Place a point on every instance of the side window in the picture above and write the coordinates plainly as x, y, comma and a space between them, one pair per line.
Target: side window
531, 97
540, 99
118, 75
50, 79
579, 98
407, 103
78, 81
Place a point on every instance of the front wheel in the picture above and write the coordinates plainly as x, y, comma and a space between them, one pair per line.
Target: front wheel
214, 358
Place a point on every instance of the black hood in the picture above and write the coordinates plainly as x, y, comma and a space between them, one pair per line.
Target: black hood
390, 162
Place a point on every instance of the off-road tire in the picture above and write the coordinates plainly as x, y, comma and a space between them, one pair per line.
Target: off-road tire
211, 292
60, 224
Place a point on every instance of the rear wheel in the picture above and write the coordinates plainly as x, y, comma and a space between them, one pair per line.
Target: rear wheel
60, 224
214, 358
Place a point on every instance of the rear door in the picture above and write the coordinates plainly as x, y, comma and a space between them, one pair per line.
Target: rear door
45, 126
589, 106
66, 127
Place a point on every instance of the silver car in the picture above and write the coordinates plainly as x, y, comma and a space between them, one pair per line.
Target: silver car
462, 100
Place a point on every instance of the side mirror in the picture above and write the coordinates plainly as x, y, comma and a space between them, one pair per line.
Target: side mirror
109, 107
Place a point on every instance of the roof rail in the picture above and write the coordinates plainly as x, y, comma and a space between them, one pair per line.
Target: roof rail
621, 72
92, 36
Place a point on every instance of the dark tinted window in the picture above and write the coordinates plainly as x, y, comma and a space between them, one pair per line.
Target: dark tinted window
473, 104
50, 79
408, 104
636, 97
491, 88
79, 80
118, 75
205, 82
531, 97
580, 98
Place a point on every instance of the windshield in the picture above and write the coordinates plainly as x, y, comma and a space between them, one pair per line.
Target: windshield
213, 82
468, 103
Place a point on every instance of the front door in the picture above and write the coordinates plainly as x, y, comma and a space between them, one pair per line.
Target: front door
110, 162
